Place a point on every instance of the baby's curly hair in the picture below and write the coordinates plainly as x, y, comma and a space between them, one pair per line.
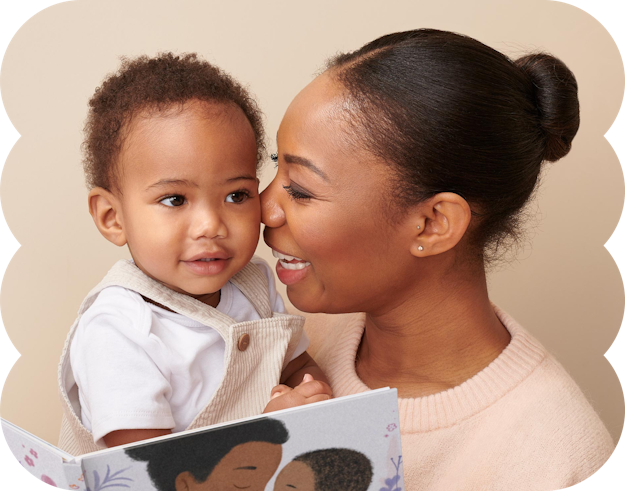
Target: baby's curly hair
154, 83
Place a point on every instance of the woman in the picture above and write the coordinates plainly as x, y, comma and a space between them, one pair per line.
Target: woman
403, 171
243, 456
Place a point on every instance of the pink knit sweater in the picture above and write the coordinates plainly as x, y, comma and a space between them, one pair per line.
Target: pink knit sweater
520, 424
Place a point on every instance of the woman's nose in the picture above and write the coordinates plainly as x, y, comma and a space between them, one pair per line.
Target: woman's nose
272, 213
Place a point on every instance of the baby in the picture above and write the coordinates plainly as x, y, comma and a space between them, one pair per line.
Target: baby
191, 331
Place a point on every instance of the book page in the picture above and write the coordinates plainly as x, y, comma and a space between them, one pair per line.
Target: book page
43, 460
351, 437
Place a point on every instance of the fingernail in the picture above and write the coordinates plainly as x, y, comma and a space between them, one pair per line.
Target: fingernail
308, 378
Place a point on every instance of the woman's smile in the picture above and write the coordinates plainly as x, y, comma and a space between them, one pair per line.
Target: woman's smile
290, 269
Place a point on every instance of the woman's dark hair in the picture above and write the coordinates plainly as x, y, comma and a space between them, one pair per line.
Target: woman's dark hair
338, 469
154, 83
199, 453
452, 114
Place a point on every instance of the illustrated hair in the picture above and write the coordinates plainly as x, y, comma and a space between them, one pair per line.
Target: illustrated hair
338, 468
199, 453
450, 114
156, 83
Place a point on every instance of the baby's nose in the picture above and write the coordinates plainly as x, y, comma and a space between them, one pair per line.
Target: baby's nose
210, 225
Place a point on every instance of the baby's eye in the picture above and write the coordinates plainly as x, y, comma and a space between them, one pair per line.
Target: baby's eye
237, 197
175, 200
274, 159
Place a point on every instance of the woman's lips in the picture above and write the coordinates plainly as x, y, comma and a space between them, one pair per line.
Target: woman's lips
290, 269
290, 262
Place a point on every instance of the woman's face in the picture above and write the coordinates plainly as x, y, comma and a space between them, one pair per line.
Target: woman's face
328, 206
247, 466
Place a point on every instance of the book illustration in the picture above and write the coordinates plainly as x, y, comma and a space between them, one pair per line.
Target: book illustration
242, 456
392, 483
30, 459
44, 461
326, 470
114, 480
349, 444
394, 459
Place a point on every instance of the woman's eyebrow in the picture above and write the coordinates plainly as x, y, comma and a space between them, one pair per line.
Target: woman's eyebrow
246, 468
294, 159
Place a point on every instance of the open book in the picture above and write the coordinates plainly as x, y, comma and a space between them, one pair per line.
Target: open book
346, 444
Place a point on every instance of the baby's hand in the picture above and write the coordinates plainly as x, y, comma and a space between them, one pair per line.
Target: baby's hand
309, 391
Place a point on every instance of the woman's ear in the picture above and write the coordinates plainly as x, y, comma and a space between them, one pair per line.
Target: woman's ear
439, 224
105, 210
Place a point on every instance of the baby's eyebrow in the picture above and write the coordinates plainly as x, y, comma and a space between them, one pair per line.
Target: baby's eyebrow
244, 177
172, 182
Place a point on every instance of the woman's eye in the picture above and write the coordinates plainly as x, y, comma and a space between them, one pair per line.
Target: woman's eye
274, 159
175, 200
296, 194
237, 197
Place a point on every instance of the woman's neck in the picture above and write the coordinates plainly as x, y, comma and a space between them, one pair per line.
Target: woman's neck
433, 341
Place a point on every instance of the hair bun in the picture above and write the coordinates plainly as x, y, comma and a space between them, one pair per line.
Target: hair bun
555, 90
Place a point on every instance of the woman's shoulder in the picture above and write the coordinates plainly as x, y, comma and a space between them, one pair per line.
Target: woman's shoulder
546, 428
551, 399
552, 424
548, 394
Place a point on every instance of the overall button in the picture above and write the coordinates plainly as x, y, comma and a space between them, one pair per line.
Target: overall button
244, 342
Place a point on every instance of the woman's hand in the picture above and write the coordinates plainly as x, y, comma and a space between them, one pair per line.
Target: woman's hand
307, 392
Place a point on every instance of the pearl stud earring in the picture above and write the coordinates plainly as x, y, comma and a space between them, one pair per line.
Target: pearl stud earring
420, 248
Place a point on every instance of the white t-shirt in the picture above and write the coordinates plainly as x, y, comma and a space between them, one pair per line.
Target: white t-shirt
139, 366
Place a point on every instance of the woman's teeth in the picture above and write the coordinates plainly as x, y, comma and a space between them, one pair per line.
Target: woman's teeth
296, 263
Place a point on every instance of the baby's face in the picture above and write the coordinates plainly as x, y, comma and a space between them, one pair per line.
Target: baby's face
295, 476
190, 208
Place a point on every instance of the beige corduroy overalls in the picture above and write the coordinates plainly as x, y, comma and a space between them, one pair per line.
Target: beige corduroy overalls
256, 351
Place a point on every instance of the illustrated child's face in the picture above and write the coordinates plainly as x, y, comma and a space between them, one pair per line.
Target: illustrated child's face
295, 476
247, 466
188, 204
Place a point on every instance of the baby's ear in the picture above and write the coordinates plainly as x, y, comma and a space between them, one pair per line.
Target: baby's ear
105, 209
185, 481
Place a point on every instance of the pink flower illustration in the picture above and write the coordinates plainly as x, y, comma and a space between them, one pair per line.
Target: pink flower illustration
33, 453
47, 480
391, 427
29, 461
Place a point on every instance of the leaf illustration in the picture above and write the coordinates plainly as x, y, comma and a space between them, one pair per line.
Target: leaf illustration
111, 480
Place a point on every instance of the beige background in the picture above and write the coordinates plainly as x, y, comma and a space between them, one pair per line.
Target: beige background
564, 286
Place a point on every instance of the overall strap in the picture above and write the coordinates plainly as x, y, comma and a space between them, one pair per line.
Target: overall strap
253, 284
125, 274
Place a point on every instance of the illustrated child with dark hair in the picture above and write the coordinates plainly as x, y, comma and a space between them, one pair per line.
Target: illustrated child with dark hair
330, 469
243, 456
191, 332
